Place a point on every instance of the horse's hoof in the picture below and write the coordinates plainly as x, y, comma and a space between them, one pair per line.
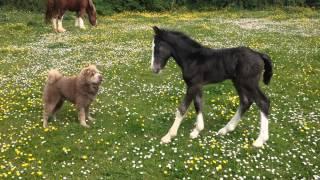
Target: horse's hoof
165, 139
222, 132
61, 30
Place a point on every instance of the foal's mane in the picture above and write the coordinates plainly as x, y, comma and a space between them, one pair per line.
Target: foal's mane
176, 36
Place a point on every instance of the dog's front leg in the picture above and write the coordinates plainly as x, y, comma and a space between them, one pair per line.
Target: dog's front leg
82, 117
88, 115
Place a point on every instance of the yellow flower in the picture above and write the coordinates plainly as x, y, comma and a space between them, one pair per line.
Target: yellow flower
218, 168
84, 157
39, 173
25, 164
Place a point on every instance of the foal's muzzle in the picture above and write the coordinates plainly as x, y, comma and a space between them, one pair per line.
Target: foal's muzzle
156, 68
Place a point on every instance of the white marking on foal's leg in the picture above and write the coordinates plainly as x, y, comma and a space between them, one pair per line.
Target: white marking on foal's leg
232, 124
264, 131
173, 130
81, 23
60, 28
199, 126
152, 57
77, 22
54, 23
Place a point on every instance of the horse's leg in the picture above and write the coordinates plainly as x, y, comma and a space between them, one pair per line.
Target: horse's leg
54, 23
191, 91
60, 18
77, 24
264, 104
199, 125
81, 23
245, 103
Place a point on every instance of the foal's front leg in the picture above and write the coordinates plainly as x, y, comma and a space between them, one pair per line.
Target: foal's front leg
179, 116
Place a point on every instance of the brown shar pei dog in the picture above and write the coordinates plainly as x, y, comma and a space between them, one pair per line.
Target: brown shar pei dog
80, 90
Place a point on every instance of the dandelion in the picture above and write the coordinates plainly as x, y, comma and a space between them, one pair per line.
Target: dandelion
219, 167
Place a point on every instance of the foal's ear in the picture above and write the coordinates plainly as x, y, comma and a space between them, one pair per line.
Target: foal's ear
156, 30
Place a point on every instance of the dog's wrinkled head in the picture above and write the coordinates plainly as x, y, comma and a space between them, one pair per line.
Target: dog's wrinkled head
91, 74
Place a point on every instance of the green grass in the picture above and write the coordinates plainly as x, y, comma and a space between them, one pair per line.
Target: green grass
135, 108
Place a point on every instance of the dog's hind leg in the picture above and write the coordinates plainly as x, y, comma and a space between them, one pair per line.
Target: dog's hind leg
57, 108
45, 119
48, 111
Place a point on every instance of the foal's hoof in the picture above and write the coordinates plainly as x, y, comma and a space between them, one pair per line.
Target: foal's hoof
222, 131
165, 139
258, 143
194, 134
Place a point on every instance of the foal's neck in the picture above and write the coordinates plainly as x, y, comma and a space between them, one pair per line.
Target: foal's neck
183, 56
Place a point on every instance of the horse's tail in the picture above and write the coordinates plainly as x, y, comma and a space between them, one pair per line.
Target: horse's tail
49, 10
53, 76
267, 68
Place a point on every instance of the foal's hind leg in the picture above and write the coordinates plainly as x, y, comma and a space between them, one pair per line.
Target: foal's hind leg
245, 103
199, 125
264, 104
179, 115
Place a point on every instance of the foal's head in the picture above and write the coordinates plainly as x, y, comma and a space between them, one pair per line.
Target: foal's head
161, 51
91, 10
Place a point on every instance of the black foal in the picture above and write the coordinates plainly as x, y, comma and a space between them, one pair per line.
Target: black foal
201, 66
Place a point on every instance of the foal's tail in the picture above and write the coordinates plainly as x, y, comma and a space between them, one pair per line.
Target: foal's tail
267, 68
49, 10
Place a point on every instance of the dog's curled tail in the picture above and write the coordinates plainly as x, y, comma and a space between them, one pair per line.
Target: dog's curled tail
53, 76
267, 68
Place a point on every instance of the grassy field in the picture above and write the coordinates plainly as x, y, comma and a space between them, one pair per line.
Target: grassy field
135, 108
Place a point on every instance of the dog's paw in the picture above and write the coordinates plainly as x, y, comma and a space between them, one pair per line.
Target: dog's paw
85, 125
91, 118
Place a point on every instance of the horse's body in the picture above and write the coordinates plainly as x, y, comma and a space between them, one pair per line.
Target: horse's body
201, 66
57, 8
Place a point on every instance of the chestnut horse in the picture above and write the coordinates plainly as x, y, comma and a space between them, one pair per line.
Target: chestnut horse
57, 8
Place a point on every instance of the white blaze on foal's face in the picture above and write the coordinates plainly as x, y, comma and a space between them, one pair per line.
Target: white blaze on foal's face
152, 55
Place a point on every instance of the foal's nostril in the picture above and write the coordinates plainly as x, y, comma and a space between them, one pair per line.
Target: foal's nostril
156, 70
